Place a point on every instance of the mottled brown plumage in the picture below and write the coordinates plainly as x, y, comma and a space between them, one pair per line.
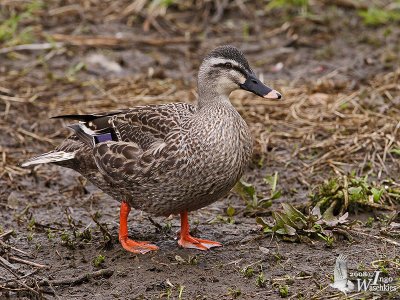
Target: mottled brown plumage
169, 158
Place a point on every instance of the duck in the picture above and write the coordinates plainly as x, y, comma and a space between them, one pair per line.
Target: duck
169, 158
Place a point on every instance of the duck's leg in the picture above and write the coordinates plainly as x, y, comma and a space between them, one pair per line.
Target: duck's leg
128, 244
187, 241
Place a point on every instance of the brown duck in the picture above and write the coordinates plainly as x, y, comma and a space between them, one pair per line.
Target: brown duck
168, 158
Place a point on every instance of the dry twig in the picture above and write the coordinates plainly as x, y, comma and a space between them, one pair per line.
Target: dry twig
27, 262
79, 279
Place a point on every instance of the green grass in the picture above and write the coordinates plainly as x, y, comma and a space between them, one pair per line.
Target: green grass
396, 151
293, 225
11, 31
260, 281
99, 260
228, 220
255, 200
247, 272
370, 222
347, 193
234, 293
376, 16
72, 70
284, 291
299, 5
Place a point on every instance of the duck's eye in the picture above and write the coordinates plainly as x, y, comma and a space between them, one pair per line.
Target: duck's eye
228, 65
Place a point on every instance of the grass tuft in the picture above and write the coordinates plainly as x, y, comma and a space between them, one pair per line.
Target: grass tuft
293, 225
12, 32
375, 16
344, 193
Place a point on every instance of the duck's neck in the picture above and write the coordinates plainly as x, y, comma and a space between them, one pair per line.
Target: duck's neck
211, 96
217, 110
213, 102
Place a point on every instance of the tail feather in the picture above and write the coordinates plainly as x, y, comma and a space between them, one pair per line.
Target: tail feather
49, 157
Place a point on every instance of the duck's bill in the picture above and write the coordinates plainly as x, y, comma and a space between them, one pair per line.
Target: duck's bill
254, 85
273, 95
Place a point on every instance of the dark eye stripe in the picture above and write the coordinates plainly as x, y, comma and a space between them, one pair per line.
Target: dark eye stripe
240, 70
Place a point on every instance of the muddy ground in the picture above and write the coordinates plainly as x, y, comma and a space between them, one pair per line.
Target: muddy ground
339, 114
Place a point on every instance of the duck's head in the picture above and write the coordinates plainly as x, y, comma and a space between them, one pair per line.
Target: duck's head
225, 69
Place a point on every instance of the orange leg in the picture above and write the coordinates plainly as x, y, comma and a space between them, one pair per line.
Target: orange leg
187, 241
132, 246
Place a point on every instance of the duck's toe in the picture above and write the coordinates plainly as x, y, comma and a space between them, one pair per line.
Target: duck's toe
191, 242
137, 247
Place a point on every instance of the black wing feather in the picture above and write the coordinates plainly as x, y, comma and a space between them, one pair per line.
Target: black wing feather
90, 117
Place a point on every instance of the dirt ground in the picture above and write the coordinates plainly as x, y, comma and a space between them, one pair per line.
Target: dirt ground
339, 114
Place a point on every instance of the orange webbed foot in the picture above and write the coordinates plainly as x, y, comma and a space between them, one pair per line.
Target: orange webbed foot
191, 242
137, 247
128, 244
187, 241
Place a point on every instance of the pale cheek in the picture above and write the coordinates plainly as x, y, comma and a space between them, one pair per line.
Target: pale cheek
238, 77
227, 84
